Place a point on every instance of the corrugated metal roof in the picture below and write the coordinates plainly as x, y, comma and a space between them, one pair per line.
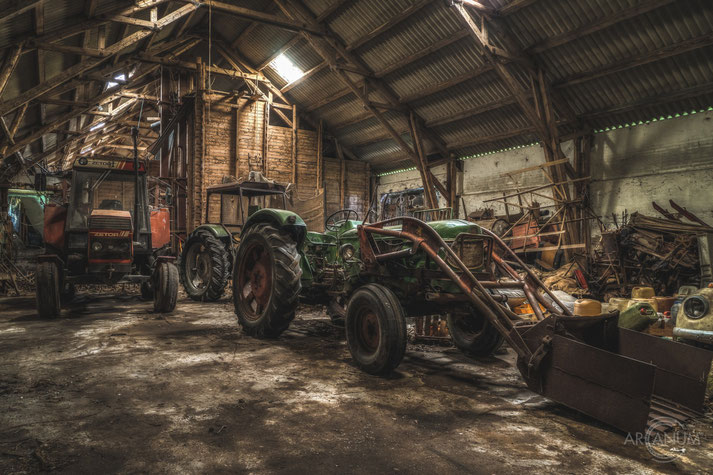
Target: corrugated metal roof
439, 84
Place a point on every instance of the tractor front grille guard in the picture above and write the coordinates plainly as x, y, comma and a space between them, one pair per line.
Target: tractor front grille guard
627, 379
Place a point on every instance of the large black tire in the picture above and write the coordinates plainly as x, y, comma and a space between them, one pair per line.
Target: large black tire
376, 329
204, 267
266, 281
47, 290
165, 286
473, 334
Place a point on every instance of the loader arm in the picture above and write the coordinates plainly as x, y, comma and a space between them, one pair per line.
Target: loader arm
623, 378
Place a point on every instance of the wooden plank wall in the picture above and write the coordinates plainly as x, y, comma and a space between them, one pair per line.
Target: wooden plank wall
220, 159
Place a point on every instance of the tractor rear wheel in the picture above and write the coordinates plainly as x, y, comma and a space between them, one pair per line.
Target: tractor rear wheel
204, 267
473, 334
376, 329
165, 286
47, 290
266, 281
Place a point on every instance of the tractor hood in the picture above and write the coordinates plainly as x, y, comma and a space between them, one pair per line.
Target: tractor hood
447, 229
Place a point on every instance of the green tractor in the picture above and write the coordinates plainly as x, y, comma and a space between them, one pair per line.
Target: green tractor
257, 241
379, 274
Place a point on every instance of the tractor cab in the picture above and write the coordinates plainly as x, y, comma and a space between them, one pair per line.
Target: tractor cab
106, 234
103, 233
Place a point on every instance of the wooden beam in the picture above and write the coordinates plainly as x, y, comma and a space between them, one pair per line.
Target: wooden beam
84, 66
281, 50
636, 61
473, 111
261, 17
421, 165
437, 46
18, 9
150, 25
307, 74
293, 151
599, 24
320, 154
514, 6
387, 25
11, 60
335, 48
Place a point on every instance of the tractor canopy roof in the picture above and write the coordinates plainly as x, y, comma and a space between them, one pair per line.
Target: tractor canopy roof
247, 188
90, 163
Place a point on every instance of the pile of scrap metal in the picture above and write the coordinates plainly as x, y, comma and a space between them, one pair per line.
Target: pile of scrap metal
664, 253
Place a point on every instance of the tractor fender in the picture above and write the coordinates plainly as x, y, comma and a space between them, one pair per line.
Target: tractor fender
220, 232
283, 219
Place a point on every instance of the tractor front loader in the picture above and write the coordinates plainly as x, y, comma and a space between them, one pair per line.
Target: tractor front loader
624, 378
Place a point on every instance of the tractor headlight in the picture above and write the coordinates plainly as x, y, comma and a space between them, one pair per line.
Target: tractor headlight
97, 246
695, 307
347, 252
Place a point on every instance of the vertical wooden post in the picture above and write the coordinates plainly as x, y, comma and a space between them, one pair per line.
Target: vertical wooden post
294, 144
198, 157
428, 191
320, 154
342, 175
236, 158
266, 126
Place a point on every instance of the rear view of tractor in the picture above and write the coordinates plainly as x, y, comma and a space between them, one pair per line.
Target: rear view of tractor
106, 234
250, 236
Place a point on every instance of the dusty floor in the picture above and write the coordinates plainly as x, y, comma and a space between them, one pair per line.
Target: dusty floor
111, 387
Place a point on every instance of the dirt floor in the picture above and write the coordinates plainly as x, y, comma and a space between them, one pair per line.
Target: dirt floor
112, 387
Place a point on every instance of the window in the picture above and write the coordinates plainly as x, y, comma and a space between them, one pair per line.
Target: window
286, 68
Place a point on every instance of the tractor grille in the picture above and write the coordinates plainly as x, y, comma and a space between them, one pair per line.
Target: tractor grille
470, 250
110, 222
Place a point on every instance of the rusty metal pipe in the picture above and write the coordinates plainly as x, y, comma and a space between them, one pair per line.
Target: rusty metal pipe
503, 324
529, 272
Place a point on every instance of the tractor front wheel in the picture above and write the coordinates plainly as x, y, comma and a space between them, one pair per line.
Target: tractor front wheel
204, 267
266, 281
473, 334
165, 284
376, 329
47, 290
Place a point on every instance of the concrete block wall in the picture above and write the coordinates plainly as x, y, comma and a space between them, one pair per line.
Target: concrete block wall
630, 168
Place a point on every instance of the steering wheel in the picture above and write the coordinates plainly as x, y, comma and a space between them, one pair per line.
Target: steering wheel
336, 220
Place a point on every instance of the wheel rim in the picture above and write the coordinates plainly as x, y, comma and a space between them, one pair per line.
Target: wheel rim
199, 267
367, 331
254, 280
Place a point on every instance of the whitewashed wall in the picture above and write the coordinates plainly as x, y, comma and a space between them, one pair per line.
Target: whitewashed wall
630, 168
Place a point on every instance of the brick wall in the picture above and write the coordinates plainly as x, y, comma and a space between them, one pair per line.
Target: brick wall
223, 117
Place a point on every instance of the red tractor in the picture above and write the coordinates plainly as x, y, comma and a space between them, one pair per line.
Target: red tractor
106, 234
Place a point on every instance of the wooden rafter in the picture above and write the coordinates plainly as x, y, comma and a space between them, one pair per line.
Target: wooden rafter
330, 48
599, 24
84, 66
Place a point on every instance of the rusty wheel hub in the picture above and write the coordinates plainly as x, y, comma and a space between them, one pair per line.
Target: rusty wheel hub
369, 332
255, 281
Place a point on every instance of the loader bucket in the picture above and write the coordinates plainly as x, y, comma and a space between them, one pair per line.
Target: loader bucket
623, 378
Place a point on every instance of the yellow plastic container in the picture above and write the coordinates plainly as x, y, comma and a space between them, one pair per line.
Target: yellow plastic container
587, 308
642, 293
619, 303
